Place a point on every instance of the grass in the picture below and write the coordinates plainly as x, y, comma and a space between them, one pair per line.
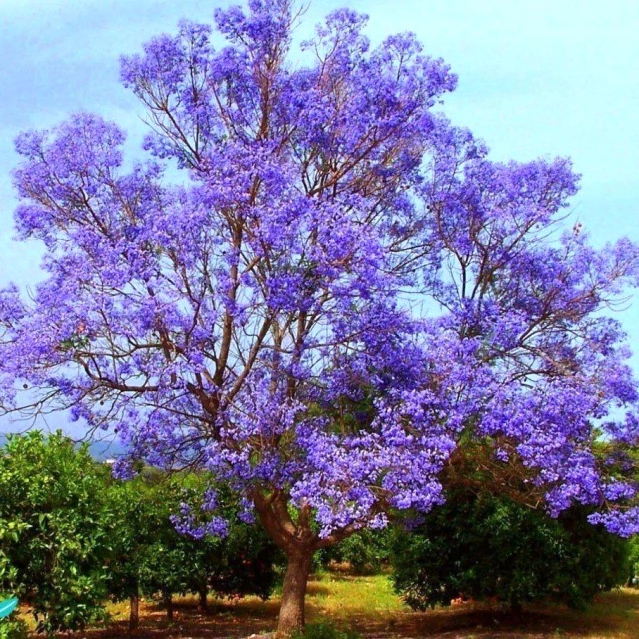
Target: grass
369, 606
342, 596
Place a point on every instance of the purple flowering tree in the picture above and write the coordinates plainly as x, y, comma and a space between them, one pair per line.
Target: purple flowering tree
340, 290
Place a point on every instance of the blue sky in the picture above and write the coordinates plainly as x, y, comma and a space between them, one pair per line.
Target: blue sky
543, 78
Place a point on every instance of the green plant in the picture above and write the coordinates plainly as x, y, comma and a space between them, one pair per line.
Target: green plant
53, 542
13, 629
366, 552
484, 546
150, 556
633, 561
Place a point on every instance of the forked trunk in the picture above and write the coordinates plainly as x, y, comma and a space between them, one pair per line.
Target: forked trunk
291, 616
134, 610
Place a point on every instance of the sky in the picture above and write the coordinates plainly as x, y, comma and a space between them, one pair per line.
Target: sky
543, 78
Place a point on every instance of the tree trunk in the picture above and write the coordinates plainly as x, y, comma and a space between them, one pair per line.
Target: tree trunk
168, 602
294, 592
203, 605
134, 610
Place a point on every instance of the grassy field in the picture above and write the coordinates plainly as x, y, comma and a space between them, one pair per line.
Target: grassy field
368, 605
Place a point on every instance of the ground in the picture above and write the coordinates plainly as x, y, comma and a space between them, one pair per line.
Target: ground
368, 605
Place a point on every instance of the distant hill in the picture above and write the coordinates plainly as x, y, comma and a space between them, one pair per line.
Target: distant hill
106, 449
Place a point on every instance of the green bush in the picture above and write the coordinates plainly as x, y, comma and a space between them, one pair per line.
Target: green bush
366, 552
13, 629
151, 557
71, 535
485, 546
325, 631
633, 568
53, 542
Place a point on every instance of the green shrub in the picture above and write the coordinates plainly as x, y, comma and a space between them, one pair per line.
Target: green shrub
151, 557
71, 535
366, 551
13, 629
633, 568
484, 546
52, 538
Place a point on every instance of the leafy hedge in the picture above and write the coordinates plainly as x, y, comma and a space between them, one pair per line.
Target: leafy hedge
484, 546
71, 536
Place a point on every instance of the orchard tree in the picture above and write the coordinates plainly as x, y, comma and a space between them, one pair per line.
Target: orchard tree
341, 289
133, 527
484, 546
53, 539
150, 555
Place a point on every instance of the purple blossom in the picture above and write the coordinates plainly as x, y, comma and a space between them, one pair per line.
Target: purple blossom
342, 294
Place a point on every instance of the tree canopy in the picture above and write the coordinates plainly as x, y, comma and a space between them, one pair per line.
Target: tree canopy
343, 287
71, 536
484, 546
53, 533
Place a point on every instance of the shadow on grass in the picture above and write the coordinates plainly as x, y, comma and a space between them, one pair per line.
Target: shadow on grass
317, 589
615, 615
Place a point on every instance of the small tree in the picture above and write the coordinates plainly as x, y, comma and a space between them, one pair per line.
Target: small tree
486, 546
337, 243
52, 530
132, 528
364, 552
150, 556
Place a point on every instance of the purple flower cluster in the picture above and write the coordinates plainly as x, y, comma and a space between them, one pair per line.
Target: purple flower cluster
342, 292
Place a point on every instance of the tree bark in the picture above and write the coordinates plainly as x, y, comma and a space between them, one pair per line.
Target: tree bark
134, 610
203, 606
299, 543
298, 569
168, 602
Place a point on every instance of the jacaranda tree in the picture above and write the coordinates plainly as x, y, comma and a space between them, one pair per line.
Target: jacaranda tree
340, 288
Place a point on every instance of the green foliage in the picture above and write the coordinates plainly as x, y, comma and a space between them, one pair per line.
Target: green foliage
131, 531
324, 631
51, 527
169, 563
486, 546
13, 629
246, 564
366, 552
152, 557
633, 562
70, 535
